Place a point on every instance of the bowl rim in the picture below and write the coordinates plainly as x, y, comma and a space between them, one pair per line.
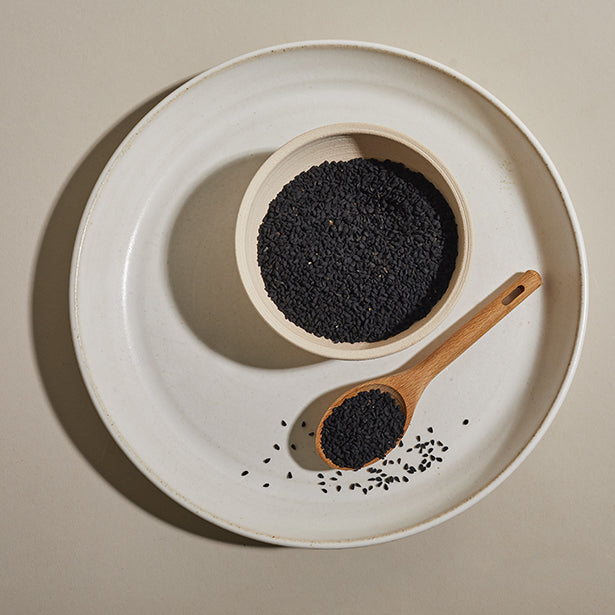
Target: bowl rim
358, 350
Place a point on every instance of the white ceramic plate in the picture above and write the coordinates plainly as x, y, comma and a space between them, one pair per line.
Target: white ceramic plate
194, 386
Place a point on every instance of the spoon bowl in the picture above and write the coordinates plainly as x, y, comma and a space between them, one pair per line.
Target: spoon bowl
406, 387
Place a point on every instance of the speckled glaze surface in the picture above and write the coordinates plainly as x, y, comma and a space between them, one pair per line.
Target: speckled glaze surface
197, 390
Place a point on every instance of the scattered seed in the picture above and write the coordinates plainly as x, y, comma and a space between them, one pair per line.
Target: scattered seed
267, 460
289, 475
245, 473
466, 421
283, 422
277, 447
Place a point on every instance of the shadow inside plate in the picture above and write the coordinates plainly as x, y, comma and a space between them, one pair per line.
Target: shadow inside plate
205, 281
55, 354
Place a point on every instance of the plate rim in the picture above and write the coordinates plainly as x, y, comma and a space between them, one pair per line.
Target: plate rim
90, 381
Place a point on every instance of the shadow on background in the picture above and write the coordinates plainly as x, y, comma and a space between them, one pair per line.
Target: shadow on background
204, 279
56, 358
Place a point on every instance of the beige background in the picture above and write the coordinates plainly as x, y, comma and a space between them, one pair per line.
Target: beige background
81, 531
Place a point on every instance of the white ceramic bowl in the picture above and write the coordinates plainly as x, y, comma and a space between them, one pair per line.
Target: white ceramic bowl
340, 142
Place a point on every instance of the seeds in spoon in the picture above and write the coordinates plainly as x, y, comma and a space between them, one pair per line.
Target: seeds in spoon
362, 428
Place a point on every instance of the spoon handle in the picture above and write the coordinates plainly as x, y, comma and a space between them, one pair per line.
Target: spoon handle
506, 301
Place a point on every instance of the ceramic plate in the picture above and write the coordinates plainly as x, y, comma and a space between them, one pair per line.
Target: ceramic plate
200, 393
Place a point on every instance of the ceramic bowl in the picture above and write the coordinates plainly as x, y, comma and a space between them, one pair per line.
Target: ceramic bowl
341, 142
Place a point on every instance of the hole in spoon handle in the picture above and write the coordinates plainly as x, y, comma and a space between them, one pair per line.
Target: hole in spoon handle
506, 301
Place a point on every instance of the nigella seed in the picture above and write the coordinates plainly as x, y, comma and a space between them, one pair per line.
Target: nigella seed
466, 421
293, 447
311, 433
432, 457
365, 490
430, 429
320, 475
405, 479
387, 255
351, 486
399, 460
283, 423
245, 473
444, 449
401, 444
265, 484
339, 472
386, 487
324, 490
277, 447
303, 423
438, 458
418, 438
439, 443
338, 488
289, 475
267, 460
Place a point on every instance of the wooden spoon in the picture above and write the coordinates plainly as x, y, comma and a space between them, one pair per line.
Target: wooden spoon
407, 386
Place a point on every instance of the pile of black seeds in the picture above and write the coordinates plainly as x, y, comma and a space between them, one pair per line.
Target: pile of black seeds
357, 251
362, 428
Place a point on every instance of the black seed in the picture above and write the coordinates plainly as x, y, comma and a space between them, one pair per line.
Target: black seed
408, 450
322, 483
293, 447
311, 433
401, 444
439, 443
265, 484
289, 475
351, 486
333, 478
303, 423
438, 458
444, 448
365, 490
326, 234
466, 421
430, 429
361, 428
386, 487
267, 460
405, 479
432, 457
283, 422
324, 490
320, 475
277, 447
244, 473
418, 438
412, 470
338, 487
